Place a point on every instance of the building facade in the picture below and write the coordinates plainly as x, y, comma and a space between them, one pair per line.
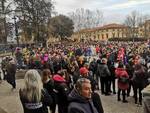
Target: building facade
113, 31
102, 33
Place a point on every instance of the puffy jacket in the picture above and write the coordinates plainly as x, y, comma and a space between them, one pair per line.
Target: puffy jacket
121, 72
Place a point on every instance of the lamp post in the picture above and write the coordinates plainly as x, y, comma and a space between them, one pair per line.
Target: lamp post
16, 30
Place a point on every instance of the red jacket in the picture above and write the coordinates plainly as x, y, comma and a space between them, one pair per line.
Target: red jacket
122, 72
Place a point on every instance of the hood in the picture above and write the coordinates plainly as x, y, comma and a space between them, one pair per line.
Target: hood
58, 78
74, 96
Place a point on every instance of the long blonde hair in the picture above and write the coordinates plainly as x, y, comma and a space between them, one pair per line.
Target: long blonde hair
32, 86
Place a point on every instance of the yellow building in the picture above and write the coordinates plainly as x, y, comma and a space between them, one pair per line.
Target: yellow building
147, 29
113, 31
102, 33
144, 30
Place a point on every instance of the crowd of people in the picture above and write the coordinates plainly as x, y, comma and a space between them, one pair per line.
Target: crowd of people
70, 75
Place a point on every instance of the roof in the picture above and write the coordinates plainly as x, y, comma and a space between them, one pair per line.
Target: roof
113, 25
108, 26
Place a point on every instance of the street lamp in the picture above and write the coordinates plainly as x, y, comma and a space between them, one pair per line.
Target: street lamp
16, 30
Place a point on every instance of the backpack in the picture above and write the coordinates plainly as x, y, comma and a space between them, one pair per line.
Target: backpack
123, 80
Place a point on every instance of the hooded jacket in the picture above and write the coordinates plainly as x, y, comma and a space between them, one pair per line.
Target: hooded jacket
62, 93
102, 70
140, 76
79, 104
121, 72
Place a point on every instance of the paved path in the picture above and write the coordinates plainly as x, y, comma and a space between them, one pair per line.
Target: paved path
2, 111
10, 103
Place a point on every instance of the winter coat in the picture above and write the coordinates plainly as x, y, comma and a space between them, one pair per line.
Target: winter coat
139, 78
36, 107
112, 70
102, 70
62, 92
11, 71
121, 72
49, 86
57, 66
79, 104
93, 66
97, 102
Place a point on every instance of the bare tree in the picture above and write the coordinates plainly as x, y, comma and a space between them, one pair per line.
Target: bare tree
133, 21
85, 18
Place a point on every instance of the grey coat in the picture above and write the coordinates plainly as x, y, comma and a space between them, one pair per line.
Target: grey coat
102, 70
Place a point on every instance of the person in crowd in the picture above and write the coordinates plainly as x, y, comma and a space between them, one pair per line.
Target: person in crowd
11, 71
3, 66
123, 79
92, 66
48, 84
104, 73
62, 91
139, 82
33, 96
80, 98
130, 70
57, 65
84, 73
19, 57
112, 81
74, 70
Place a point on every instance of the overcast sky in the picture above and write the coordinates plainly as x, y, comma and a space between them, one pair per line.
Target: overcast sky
114, 11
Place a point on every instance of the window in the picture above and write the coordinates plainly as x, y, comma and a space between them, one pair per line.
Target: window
113, 35
107, 35
102, 36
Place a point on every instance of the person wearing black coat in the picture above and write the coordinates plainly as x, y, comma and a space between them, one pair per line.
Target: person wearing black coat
95, 96
139, 79
130, 70
80, 98
33, 97
62, 92
11, 71
85, 73
36, 107
57, 65
112, 81
92, 66
104, 74
48, 84
97, 102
